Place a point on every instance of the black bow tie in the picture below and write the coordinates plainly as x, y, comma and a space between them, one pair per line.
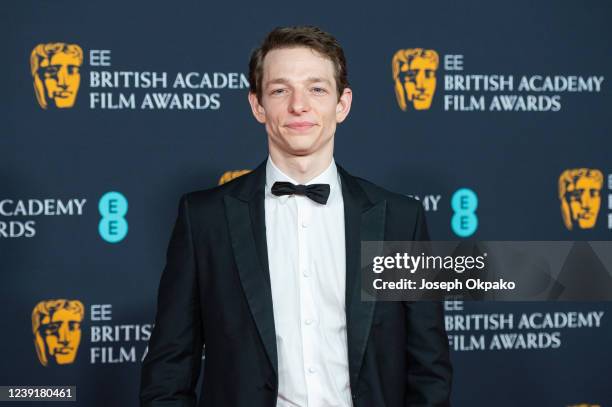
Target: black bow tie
317, 192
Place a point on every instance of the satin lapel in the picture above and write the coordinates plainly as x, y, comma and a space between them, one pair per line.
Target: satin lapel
363, 220
246, 219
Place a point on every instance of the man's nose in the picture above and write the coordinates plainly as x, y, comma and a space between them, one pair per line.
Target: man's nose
298, 103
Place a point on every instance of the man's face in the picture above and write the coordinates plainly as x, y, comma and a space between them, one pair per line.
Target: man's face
584, 201
61, 78
62, 335
299, 103
420, 82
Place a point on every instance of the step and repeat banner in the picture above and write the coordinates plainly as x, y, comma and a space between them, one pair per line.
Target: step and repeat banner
495, 115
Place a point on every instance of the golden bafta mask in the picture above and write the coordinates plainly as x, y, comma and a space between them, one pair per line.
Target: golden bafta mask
56, 325
414, 74
580, 195
56, 71
230, 175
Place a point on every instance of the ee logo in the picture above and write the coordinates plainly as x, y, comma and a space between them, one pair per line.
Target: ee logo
464, 204
112, 207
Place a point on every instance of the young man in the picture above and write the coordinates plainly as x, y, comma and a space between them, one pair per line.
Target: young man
264, 270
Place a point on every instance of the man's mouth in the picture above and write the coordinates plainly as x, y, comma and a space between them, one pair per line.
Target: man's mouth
63, 351
301, 126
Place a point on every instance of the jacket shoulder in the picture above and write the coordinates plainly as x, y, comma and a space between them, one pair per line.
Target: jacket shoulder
405, 216
377, 193
215, 195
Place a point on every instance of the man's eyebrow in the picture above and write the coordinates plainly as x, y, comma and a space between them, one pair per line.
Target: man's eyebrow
281, 81
285, 81
315, 79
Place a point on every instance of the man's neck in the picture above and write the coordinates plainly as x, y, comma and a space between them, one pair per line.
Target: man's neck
302, 168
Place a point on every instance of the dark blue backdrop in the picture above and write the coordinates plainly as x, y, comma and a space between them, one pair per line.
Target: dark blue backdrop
511, 159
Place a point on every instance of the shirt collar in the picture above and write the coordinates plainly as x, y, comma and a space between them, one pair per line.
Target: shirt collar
329, 176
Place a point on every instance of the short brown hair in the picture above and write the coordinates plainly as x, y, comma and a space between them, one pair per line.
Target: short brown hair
298, 36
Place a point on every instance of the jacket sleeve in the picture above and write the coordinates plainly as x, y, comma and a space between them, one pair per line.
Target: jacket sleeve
429, 375
172, 365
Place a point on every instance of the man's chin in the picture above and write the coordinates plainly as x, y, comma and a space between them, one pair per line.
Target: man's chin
301, 144
301, 152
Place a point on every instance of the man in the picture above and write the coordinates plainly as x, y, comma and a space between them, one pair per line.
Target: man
264, 269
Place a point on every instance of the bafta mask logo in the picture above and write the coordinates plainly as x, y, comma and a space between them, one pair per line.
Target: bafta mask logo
56, 325
580, 195
55, 69
230, 175
414, 74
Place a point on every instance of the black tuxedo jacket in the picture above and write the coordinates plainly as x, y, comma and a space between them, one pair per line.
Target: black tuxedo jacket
215, 290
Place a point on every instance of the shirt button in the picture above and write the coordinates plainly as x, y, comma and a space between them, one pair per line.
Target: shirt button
305, 272
312, 370
304, 224
308, 321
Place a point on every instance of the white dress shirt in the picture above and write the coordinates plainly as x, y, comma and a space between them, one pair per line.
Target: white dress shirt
306, 255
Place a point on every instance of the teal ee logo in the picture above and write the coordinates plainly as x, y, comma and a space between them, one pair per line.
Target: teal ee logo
112, 207
464, 204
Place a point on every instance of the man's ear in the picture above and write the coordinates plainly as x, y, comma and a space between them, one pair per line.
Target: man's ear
256, 108
344, 105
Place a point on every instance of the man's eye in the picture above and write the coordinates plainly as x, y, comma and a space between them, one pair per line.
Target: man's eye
319, 90
278, 91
